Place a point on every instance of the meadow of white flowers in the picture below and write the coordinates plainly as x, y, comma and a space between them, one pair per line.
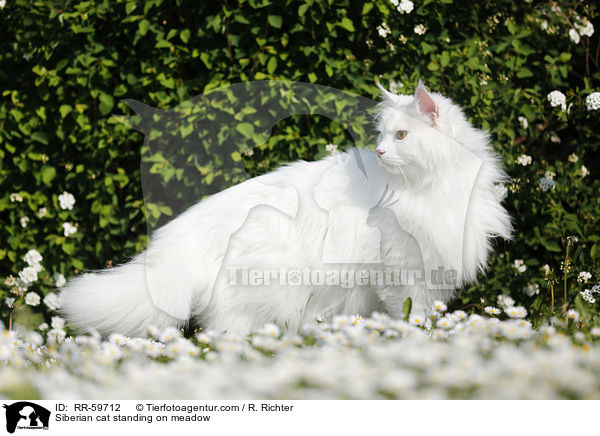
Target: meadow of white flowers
446, 355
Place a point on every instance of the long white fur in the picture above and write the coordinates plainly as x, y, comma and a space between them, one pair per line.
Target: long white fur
315, 215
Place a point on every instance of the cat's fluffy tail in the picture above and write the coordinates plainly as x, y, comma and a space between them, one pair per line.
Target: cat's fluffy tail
114, 301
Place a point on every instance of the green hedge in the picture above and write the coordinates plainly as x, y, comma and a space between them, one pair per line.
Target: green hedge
66, 66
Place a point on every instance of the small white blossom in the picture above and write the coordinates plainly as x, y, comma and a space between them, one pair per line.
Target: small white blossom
532, 289
584, 171
588, 296
439, 306
595, 331
59, 280
574, 36
520, 265
43, 326
32, 257
505, 301
557, 98
29, 274
32, 299
169, 334
417, 319
69, 229
593, 101
547, 184
420, 29
492, 310
523, 121
573, 314
15, 197
383, 30
405, 7
52, 301
331, 148
516, 312
9, 301
395, 86
57, 322
42, 212
524, 160
24, 221
66, 200
586, 28
584, 277
573, 158
270, 329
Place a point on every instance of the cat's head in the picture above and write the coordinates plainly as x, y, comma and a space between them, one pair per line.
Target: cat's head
423, 135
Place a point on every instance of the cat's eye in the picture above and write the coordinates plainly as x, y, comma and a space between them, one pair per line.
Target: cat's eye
401, 134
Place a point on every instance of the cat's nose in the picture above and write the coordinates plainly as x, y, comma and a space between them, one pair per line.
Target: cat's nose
379, 152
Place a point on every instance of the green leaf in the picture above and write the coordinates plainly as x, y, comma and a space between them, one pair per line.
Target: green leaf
445, 58
144, 25
185, 35
407, 308
524, 72
275, 21
245, 129
347, 24
272, 65
65, 110
40, 137
48, 174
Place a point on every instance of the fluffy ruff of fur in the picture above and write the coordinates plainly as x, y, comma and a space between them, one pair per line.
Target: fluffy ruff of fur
425, 201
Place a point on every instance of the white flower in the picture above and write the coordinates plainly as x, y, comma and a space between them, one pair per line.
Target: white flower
557, 98
533, 289
417, 319
15, 197
405, 7
29, 274
546, 269
584, 277
524, 160
57, 322
492, 310
420, 29
66, 201
24, 221
520, 265
32, 257
574, 36
395, 86
439, 306
523, 121
52, 301
547, 184
505, 301
270, 329
43, 326
445, 322
595, 331
588, 296
59, 280
584, 171
32, 299
169, 334
331, 148
573, 158
56, 336
593, 101
9, 301
383, 30
516, 312
69, 229
42, 212
573, 314
586, 28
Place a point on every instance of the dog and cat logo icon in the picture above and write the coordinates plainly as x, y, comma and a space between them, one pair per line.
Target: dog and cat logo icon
26, 415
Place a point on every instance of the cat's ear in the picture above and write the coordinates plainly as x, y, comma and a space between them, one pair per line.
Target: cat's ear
143, 117
387, 95
425, 104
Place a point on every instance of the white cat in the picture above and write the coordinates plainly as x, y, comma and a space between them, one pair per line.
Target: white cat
293, 245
